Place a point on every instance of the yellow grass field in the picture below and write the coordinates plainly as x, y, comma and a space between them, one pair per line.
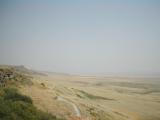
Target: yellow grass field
96, 98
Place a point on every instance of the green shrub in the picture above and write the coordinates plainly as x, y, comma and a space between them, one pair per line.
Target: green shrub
12, 94
14, 106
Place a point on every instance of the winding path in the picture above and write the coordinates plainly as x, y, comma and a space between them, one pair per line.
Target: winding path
76, 109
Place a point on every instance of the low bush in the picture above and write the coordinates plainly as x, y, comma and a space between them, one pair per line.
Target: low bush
12, 94
14, 106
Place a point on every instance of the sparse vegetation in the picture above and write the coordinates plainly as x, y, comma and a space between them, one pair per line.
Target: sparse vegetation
98, 114
43, 85
12, 94
91, 96
79, 96
9, 76
96, 99
13, 105
120, 114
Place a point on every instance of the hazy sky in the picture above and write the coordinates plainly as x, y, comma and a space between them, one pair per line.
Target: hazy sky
81, 36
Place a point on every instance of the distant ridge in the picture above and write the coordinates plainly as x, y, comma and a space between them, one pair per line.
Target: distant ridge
22, 69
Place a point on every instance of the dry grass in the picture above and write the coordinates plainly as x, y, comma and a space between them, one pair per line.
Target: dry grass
97, 99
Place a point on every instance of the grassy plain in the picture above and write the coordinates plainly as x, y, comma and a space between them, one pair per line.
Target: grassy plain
97, 97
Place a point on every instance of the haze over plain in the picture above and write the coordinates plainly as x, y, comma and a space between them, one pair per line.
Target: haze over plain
83, 37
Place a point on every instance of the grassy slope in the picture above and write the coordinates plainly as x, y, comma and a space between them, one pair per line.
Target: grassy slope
99, 99
96, 98
15, 106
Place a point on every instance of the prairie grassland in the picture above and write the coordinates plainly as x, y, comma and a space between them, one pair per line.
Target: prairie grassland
97, 98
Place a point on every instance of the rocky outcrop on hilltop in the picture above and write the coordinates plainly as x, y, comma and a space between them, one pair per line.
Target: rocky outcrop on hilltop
11, 76
5, 75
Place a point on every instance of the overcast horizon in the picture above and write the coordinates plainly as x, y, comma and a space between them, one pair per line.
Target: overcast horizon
82, 37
